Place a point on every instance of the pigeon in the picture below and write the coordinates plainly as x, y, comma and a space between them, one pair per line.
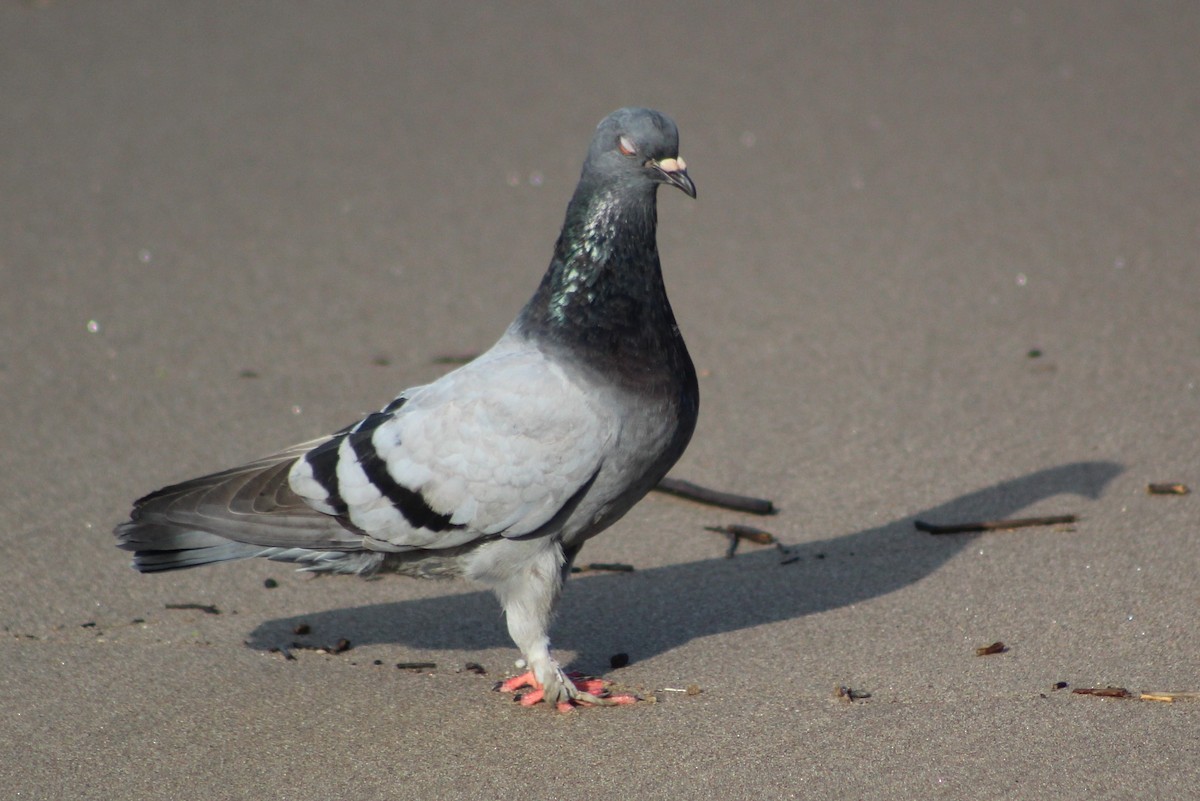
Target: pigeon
500, 470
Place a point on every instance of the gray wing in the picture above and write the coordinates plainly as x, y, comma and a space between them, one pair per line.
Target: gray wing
495, 448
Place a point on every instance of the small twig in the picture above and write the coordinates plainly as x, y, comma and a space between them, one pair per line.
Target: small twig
995, 648
454, 358
1169, 697
1104, 692
416, 665
208, 609
1168, 489
755, 535
994, 525
786, 556
734, 542
728, 500
737, 532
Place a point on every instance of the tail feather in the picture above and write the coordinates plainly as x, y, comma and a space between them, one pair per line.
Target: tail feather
234, 514
359, 563
154, 558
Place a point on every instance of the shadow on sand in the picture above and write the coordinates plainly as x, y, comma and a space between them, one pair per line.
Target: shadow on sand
662, 608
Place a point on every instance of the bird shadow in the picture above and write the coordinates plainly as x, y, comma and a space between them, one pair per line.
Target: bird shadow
656, 610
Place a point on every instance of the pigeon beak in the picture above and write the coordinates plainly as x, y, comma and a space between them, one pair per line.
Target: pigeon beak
674, 172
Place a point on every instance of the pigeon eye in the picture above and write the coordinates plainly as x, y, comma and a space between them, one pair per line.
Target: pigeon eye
625, 144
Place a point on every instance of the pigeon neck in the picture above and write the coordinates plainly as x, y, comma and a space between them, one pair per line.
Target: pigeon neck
603, 292
601, 220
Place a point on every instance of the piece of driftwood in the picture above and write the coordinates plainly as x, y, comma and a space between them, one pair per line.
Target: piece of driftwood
727, 500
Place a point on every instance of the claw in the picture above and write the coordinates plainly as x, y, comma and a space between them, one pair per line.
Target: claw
526, 679
580, 691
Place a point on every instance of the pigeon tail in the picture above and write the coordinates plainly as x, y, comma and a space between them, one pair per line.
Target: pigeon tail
158, 547
234, 514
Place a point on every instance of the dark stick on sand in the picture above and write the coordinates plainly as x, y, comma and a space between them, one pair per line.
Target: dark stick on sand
728, 500
994, 525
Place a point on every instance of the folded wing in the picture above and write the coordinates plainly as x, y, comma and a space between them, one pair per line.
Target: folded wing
501, 447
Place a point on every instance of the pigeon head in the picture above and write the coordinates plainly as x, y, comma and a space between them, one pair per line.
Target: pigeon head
603, 296
637, 148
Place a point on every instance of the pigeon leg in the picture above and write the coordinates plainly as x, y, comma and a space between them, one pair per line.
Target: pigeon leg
528, 597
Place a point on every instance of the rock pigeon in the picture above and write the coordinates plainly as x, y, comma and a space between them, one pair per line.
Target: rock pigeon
500, 470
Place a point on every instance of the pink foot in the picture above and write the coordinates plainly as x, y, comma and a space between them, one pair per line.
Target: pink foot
590, 691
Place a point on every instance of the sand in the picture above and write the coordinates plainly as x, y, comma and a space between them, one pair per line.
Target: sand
942, 266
